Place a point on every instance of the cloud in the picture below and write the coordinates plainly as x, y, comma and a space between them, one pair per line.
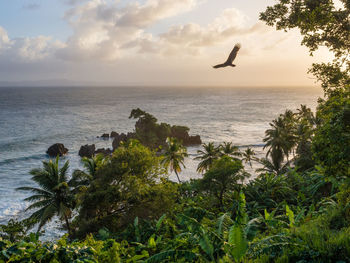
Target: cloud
192, 39
231, 23
127, 40
108, 31
4, 39
72, 2
36, 48
31, 6
141, 16
103, 30
27, 49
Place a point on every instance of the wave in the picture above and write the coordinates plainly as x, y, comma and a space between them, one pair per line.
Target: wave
24, 158
260, 145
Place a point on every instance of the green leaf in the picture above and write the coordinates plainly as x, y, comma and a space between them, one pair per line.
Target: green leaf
290, 215
152, 242
267, 215
159, 222
189, 256
206, 245
238, 241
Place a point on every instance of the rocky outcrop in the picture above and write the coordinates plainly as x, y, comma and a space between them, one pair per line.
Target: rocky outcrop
104, 151
192, 140
181, 133
114, 134
57, 149
105, 136
150, 133
87, 150
122, 138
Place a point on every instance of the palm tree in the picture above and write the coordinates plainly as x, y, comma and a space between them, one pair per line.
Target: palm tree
230, 150
53, 195
306, 113
271, 166
84, 178
279, 138
248, 156
174, 156
207, 156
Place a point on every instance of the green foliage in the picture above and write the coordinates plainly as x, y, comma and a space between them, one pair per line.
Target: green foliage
238, 241
230, 150
207, 156
54, 196
290, 133
130, 184
152, 134
321, 23
290, 215
296, 210
331, 144
249, 156
267, 191
322, 239
225, 174
174, 156
13, 230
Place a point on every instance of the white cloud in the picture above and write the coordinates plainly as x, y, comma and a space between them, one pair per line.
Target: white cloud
103, 30
192, 39
107, 31
141, 16
110, 37
27, 49
222, 29
4, 38
229, 18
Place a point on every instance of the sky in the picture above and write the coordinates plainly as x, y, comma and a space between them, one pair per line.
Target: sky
147, 42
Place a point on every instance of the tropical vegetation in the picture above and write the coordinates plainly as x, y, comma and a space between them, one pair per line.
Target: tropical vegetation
293, 208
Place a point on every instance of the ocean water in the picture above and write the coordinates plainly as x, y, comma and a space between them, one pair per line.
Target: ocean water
32, 119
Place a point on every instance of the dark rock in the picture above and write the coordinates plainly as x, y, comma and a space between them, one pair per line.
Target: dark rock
181, 133
114, 134
122, 138
192, 140
57, 149
117, 140
87, 150
105, 136
104, 151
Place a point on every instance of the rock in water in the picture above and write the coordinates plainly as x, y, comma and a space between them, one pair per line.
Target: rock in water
192, 140
122, 138
105, 136
87, 150
57, 149
181, 133
114, 134
118, 139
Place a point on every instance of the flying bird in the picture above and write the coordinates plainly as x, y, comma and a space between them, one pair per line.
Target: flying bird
231, 58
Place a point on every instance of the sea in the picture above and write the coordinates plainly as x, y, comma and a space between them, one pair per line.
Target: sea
33, 118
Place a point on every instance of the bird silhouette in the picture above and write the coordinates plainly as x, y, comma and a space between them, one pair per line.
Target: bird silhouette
231, 58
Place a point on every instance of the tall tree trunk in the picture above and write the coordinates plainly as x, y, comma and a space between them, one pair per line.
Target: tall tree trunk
178, 178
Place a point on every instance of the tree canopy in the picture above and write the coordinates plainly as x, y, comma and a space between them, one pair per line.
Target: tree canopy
321, 23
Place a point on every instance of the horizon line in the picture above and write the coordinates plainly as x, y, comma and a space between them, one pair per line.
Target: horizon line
130, 85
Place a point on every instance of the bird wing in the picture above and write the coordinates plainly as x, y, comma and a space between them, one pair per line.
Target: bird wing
233, 53
220, 66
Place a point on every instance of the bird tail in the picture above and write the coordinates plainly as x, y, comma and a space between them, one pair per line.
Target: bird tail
220, 66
